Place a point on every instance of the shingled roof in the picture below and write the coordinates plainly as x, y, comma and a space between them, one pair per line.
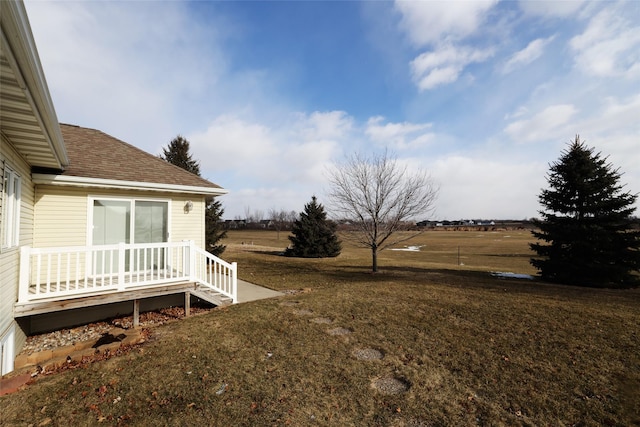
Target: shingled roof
94, 154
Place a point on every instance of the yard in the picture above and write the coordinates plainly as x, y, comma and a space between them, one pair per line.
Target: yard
432, 339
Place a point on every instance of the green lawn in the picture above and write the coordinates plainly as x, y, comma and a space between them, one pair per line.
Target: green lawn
469, 348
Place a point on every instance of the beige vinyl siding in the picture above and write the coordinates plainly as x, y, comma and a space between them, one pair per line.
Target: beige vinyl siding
10, 257
62, 215
188, 226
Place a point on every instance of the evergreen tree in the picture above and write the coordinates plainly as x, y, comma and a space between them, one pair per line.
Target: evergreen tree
214, 231
313, 235
177, 153
586, 235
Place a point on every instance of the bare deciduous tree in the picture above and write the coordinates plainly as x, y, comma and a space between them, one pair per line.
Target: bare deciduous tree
253, 217
281, 219
379, 196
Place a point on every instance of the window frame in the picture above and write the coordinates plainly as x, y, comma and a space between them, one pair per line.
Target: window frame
132, 201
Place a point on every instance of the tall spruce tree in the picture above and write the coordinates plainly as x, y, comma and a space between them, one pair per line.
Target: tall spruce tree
313, 235
178, 153
214, 231
586, 234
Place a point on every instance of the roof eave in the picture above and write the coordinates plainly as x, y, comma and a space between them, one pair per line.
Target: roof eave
75, 181
25, 54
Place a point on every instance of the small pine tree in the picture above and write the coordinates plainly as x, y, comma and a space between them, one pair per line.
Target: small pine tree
586, 234
177, 153
313, 235
214, 231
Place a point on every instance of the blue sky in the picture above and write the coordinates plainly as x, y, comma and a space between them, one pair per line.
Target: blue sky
481, 94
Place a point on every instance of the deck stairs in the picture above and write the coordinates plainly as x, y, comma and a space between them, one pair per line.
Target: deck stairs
211, 296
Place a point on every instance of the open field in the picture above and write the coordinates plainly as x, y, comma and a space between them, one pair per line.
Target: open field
457, 346
467, 251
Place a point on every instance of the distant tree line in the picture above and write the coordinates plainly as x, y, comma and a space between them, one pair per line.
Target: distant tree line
275, 219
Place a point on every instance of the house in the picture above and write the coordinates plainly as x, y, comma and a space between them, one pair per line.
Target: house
266, 223
87, 222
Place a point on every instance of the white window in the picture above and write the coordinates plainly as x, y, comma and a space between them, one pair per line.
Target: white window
7, 351
128, 221
11, 209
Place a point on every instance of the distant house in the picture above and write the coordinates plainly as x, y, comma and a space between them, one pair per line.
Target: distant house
266, 223
87, 220
233, 224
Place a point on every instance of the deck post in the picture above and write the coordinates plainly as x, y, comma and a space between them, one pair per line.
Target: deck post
121, 265
234, 282
25, 266
192, 261
136, 313
187, 304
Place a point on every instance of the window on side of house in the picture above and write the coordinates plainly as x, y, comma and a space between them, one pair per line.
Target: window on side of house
129, 221
7, 351
11, 208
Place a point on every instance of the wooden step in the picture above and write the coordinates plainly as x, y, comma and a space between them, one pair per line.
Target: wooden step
211, 296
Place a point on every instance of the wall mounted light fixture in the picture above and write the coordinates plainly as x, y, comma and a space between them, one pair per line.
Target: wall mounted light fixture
188, 207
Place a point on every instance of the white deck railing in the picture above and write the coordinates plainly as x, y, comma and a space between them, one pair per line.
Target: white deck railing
69, 272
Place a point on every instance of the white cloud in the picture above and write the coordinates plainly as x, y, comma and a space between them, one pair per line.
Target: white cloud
400, 136
477, 188
230, 143
440, 25
533, 51
428, 22
322, 125
444, 65
617, 114
295, 149
520, 111
545, 125
289, 157
119, 67
610, 45
549, 8
614, 129
611, 126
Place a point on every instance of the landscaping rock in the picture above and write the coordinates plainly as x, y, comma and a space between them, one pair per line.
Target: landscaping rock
367, 354
391, 385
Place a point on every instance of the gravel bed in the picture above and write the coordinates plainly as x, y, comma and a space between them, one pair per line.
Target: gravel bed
93, 331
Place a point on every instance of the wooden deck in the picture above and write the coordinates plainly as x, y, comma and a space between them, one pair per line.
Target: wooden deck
114, 296
65, 278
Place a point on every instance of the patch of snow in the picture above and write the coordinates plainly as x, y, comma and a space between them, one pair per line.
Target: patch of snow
512, 275
409, 248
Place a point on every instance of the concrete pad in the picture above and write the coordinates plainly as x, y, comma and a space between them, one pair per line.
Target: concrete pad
250, 292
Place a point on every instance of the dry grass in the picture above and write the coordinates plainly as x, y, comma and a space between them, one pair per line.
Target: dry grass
472, 349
